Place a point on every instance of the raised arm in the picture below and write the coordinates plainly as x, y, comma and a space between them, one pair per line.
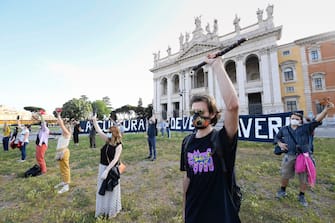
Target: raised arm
98, 129
66, 132
228, 93
324, 112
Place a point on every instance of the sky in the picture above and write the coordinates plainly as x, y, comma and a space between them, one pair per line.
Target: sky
54, 51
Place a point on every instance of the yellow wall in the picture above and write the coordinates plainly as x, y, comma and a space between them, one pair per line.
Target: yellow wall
298, 84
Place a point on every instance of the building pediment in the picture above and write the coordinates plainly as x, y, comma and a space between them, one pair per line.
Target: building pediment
197, 49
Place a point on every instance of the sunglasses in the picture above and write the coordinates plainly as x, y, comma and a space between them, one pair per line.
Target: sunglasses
200, 112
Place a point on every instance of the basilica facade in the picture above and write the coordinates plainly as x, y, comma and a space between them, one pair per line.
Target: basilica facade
252, 66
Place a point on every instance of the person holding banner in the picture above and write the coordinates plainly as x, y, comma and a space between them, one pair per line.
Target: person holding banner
207, 197
294, 140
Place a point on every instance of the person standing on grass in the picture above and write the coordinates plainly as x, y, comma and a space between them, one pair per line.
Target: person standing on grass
23, 140
207, 194
295, 146
42, 143
109, 204
167, 124
76, 130
151, 134
63, 154
5, 136
92, 134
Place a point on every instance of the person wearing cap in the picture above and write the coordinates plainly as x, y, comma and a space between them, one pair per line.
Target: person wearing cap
292, 147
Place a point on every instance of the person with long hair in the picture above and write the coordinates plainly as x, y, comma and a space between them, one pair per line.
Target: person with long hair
63, 154
109, 204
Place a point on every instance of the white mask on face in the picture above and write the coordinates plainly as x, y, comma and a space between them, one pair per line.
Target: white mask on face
109, 135
294, 122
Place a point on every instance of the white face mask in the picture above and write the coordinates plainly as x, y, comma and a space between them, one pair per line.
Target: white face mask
109, 135
294, 122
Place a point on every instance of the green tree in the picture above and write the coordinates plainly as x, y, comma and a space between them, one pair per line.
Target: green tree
77, 108
107, 101
101, 108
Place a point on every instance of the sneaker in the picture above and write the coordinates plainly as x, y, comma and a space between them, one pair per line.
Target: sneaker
64, 189
61, 184
21, 161
302, 200
281, 194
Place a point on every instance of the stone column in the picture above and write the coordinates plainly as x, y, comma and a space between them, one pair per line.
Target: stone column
275, 80
264, 69
156, 101
187, 90
169, 95
241, 81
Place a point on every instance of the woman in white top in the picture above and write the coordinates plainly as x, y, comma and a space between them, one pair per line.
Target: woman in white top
63, 154
23, 140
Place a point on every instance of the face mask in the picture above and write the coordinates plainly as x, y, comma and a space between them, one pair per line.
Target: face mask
200, 122
109, 135
294, 122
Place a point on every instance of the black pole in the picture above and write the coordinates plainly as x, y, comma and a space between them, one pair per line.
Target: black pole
226, 50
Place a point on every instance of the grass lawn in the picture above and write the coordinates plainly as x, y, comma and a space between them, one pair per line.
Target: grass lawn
152, 191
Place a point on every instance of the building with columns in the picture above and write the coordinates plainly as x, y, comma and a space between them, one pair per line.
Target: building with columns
252, 66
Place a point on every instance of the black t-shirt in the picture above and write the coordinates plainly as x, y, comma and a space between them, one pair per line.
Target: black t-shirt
107, 150
207, 197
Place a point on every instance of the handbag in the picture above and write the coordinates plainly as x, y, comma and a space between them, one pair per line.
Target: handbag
119, 165
122, 167
278, 150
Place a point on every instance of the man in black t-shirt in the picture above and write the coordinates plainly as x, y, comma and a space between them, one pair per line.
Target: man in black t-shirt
205, 185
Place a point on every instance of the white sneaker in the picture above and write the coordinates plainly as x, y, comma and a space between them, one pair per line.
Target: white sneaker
21, 161
64, 189
59, 185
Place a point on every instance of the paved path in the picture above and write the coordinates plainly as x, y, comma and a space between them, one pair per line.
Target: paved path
325, 132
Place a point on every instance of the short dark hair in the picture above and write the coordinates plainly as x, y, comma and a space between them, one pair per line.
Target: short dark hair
211, 105
298, 114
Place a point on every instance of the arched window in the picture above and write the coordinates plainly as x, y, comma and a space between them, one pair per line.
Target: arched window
200, 79
175, 84
252, 68
231, 70
164, 86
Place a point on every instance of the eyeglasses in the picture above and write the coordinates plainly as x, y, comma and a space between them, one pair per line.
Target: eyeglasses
200, 112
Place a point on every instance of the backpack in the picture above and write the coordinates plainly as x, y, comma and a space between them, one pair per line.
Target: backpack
233, 188
33, 171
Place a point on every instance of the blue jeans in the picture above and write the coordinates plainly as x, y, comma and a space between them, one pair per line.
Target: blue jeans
152, 147
23, 151
5, 141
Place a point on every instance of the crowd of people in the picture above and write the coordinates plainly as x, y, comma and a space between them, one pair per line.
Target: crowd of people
207, 184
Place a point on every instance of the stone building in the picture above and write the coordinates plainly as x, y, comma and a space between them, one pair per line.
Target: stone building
252, 66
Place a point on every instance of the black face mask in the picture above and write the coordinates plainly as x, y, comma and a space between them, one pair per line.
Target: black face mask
200, 122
